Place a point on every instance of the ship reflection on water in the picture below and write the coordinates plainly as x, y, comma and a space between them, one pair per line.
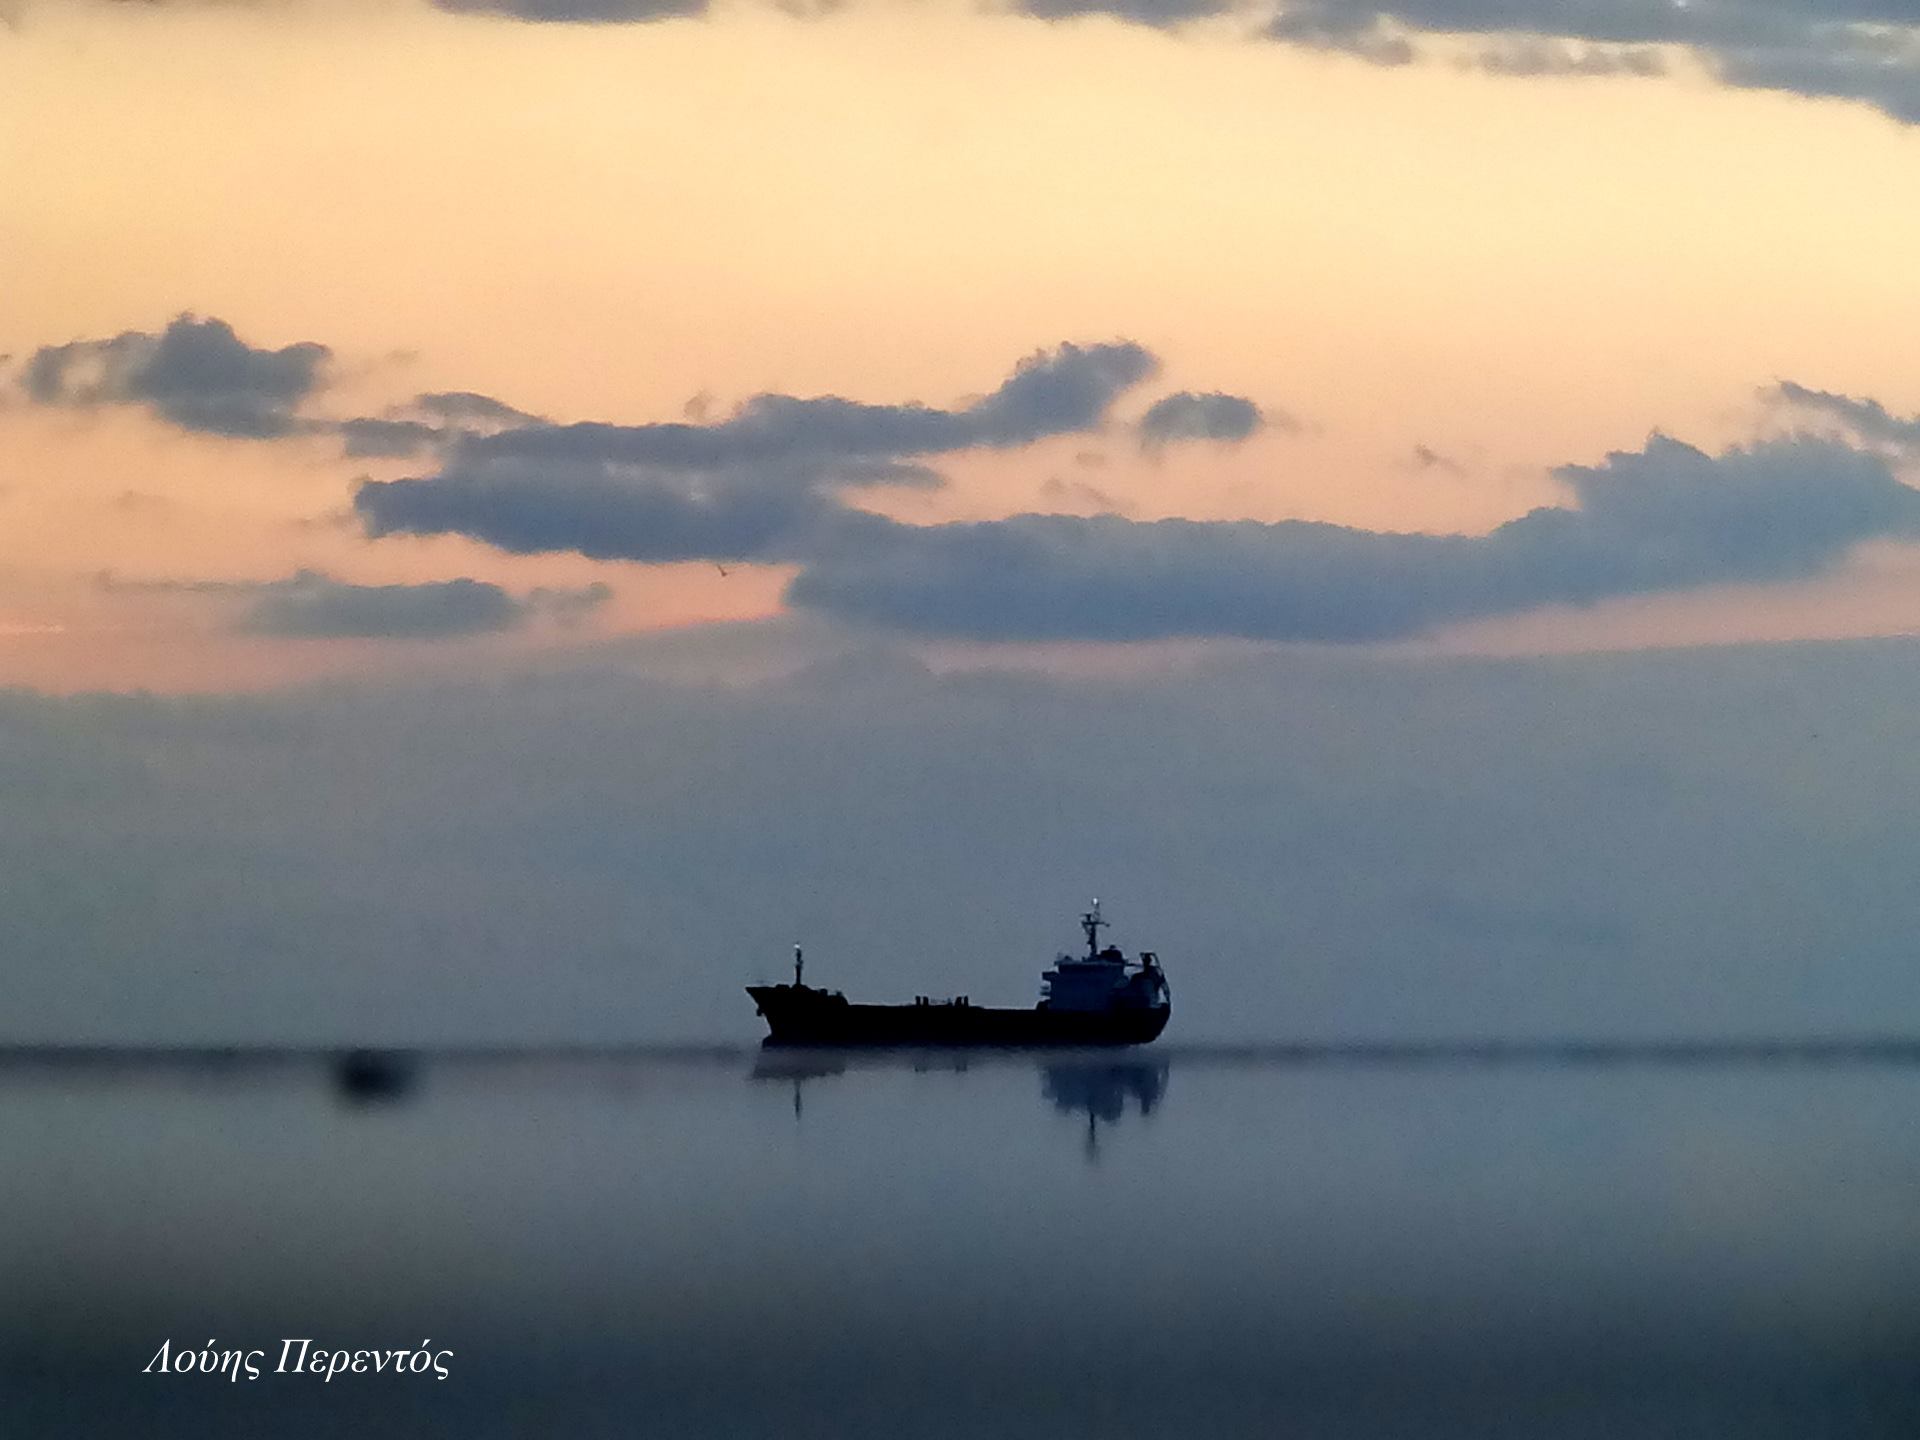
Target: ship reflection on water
1471, 1243
1091, 1084
1100, 1090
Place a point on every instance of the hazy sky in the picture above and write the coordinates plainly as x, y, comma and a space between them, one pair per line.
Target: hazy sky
1224, 352
1703, 842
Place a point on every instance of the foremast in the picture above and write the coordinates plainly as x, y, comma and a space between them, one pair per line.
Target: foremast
1091, 922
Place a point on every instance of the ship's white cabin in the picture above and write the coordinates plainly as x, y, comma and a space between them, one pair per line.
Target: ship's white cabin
1084, 982
1102, 979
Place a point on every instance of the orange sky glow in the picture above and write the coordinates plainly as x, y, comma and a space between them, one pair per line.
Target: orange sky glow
897, 202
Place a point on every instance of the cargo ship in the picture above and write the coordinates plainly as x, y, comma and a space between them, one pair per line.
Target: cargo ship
1099, 998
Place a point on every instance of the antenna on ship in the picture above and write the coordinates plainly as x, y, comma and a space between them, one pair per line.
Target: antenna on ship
799, 964
1091, 923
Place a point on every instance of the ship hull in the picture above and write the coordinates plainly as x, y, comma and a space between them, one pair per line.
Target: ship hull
801, 1016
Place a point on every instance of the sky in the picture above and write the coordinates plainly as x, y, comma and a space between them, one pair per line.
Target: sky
447, 348
1711, 842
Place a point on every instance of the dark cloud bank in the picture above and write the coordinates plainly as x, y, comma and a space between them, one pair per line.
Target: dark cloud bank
1667, 517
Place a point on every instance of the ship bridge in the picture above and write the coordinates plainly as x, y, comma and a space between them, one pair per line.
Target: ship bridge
1102, 979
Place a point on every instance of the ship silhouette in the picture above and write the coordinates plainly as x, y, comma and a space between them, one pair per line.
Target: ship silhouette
1097, 999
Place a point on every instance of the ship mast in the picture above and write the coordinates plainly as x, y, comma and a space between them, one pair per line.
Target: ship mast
1091, 923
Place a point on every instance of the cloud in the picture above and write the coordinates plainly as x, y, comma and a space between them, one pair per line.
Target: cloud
428, 422
1668, 517
1727, 24
1350, 30
1866, 418
197, 374
767, 485
1531, 56
578, 12
1052, 392
1866, 50
311, 605
382, 438
314, 606
905, 474
762, 484
1860, 50
466, 407
647, 515
1191, 416
1863, 61
1159, 13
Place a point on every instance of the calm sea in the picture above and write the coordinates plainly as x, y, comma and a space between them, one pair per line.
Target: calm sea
1188, 1243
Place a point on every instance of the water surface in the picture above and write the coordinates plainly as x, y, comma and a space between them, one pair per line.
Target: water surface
1540, 1242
